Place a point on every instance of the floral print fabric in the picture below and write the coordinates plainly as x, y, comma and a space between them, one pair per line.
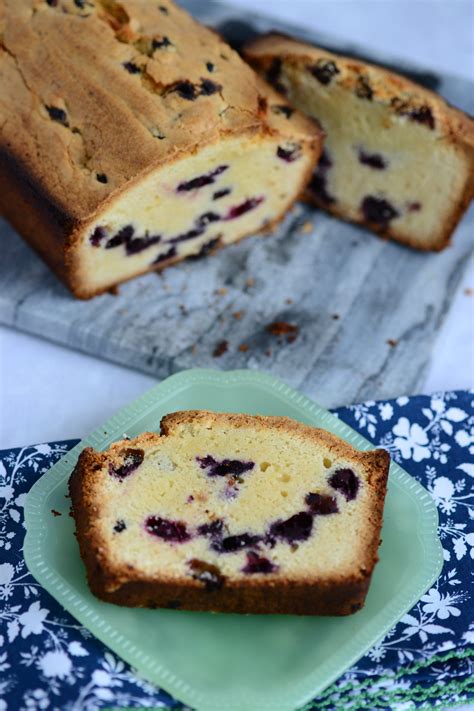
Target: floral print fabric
48, 661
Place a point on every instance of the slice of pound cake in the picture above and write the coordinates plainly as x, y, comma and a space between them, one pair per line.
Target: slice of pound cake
133, 137
397, 157
231, 513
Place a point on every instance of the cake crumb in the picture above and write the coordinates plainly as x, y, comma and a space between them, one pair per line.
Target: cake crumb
307, 227
222, 291
288, 301
250, 282
268, 352
282, 328
243, 347
194, 349
469, 292
392, 342
336, 317
56, 513
221, 348
238, 315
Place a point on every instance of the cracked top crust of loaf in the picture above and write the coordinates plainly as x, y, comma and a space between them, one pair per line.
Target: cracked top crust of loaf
91, 99
399, 93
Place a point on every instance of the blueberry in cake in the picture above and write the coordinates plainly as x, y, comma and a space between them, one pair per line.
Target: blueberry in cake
397, 158
133, 137
232, 513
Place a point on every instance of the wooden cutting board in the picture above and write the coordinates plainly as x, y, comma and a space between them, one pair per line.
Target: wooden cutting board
366, 311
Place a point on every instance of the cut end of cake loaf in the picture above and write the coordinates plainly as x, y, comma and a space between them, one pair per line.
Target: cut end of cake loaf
236, 187
231, 513
397, 158
133, 137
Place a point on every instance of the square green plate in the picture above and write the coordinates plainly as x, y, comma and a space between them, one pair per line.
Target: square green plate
231, 662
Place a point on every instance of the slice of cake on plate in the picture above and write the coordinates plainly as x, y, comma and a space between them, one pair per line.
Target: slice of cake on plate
397, 158
231, 513
133, 137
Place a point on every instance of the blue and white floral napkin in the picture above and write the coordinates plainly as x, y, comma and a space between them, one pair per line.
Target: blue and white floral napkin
49, 662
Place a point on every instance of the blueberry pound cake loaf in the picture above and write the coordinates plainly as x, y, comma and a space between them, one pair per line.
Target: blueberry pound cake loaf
231, 513
397, 157
133, 137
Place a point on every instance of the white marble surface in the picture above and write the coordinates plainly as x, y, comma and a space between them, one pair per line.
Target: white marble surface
48, 392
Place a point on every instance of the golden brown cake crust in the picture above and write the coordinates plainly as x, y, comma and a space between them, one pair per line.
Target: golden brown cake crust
96, 97
340, 595
110, 113
398, 94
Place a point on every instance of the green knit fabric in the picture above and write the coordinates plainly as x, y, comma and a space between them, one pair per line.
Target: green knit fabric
381, 692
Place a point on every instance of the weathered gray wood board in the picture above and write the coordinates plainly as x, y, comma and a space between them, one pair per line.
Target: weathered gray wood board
162, 324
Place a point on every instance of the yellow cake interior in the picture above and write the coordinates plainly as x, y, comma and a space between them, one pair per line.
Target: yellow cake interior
410, 166
174, 484
251, 187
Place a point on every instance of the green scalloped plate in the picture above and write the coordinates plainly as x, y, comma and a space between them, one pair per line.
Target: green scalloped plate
230, 662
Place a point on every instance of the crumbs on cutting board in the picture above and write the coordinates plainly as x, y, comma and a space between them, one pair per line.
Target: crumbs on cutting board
221, 348
469, 292
306, 227
56, 513
282, 328
392, 342
243, 348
